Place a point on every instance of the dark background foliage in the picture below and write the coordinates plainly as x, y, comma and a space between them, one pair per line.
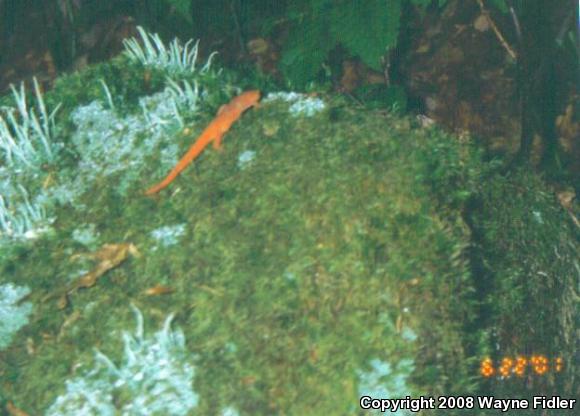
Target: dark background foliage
384, 53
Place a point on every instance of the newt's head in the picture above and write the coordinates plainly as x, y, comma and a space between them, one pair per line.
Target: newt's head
250, 97
246, 100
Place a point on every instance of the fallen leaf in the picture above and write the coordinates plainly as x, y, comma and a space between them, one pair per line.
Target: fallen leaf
270, 128
109, 257
313, 355
566, 198
568, 128
265, 54
69, 321
481, 23
158, 290
30, 348
350, 78
14, 411
248, 380
258, 46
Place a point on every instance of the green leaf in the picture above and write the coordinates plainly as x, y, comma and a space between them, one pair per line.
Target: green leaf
306, 49
501, 5
367, 29
183, 8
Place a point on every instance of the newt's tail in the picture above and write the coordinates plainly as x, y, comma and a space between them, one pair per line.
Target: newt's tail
191, 154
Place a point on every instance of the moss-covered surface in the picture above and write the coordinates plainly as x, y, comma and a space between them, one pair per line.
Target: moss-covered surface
344, 240
529, 274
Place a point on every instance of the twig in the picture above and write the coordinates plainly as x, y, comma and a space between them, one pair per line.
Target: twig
496, 30
515, 19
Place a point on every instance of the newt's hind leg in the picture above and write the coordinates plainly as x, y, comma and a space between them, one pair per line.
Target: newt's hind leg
217, 142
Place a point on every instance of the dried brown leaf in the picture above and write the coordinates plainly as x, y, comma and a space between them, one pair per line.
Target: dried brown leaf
109, 257
14, 411
158, 290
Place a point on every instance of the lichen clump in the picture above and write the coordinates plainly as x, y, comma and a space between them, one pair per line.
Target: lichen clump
13, 313
155, 376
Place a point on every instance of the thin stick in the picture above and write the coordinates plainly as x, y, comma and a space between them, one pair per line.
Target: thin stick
497, 32
515, 19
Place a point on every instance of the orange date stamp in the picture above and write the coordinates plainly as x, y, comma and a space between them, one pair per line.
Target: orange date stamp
520, 366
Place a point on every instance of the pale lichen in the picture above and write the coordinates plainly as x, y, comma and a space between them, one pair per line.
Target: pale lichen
245, 158
168, 235
384, 381
26, 144
13, 313
301, 104
21, 217
154, 378
26, 139
175, 58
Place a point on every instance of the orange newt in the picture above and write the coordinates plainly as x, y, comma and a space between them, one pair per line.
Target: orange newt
226, 116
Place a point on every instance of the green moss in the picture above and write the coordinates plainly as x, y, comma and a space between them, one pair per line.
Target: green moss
530, 256
296, 271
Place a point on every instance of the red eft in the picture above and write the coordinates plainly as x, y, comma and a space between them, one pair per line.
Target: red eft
226, 116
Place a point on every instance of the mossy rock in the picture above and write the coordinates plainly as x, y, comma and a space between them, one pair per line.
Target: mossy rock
341, 245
